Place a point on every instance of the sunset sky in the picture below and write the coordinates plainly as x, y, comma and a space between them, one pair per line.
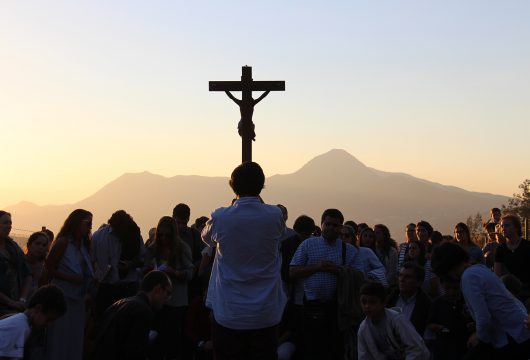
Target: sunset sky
90, 90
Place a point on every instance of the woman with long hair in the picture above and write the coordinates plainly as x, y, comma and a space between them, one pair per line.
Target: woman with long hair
68, 266
15, 276
385, 248
168, 253
463, 238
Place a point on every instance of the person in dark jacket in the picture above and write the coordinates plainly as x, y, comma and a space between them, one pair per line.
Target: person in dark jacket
409, 298
124, 333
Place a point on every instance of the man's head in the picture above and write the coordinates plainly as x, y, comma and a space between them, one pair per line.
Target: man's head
304, 226
45, 306
157, 287
181, 214
511, 227
247, 179
410, 278
449, 260
373, 296
495, 215
331, 223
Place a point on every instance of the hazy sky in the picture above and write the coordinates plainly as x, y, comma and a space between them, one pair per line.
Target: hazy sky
90, 90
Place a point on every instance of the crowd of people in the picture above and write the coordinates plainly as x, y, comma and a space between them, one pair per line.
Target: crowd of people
242, 285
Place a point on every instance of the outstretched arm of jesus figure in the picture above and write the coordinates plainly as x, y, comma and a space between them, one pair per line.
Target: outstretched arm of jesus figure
261, 97
234, 99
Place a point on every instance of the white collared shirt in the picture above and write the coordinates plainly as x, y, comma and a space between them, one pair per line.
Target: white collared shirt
245, 290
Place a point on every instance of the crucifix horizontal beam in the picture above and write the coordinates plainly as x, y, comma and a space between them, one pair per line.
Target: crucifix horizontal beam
246, 103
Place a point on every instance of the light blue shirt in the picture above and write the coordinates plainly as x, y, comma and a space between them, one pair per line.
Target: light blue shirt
373, 267
245, 290
322, 286
495, 310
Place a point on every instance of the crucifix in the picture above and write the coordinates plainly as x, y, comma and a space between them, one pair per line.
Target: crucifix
246, 103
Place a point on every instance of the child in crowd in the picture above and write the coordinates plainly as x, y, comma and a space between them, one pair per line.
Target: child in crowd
45, 306
385, 333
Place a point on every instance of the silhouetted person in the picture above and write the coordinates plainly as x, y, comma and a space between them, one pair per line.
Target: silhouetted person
245, 290
124, 333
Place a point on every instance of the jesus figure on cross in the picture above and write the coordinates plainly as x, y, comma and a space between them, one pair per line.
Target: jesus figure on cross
247, 110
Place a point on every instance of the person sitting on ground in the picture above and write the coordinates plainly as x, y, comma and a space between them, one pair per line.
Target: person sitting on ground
385, 333
45, 306
124, 333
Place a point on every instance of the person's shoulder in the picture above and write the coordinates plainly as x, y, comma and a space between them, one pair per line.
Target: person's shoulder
477, 272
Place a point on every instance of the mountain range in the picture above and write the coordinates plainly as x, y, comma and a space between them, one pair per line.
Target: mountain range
335, 179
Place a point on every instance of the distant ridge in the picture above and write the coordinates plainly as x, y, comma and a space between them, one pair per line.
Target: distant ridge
333, 179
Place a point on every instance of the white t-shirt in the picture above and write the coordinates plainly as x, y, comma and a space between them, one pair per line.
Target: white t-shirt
14, 331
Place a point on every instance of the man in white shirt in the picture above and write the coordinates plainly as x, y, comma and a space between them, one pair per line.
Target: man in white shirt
245, 290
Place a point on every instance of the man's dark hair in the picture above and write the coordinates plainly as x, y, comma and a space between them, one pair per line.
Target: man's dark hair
181, 211
332, 213
515, 221
418, 270
424, 224
304, 225
446, 257
154, 278
50, 298
247, 179
373, 288
495, 209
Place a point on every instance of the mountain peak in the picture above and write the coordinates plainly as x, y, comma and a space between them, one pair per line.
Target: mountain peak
335, 160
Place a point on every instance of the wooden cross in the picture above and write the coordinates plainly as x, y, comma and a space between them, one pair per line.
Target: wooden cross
246, 104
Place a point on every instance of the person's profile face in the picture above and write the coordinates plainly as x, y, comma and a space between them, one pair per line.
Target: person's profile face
461, 235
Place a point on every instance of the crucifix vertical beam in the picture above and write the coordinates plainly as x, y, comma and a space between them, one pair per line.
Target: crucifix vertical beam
246, 104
